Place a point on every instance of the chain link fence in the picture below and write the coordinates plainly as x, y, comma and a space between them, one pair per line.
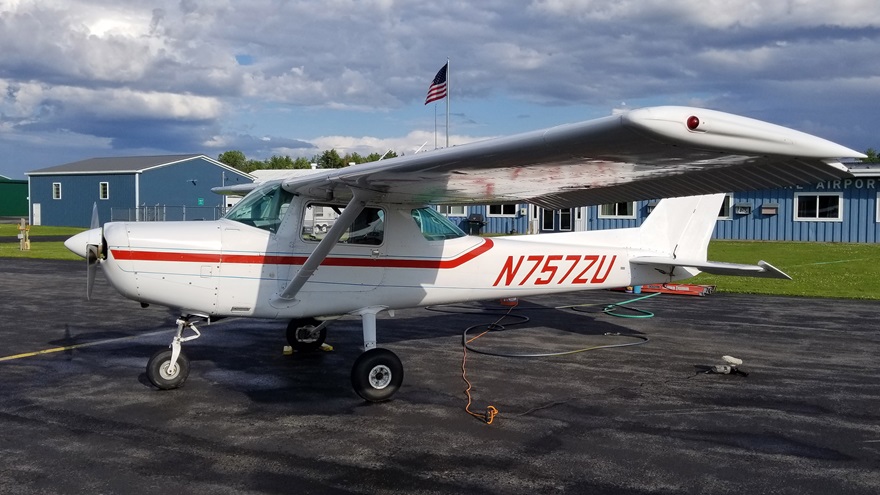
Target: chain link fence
165, 213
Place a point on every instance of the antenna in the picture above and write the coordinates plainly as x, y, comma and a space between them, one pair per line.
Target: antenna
421, 147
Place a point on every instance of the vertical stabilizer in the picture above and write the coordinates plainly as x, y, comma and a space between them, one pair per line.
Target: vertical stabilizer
682, 227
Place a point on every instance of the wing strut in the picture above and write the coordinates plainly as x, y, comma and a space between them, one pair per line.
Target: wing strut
342, 223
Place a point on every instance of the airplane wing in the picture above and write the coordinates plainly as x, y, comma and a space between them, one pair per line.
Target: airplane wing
646, 153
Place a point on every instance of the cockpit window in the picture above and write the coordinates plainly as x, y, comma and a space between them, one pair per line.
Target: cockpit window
368, 227
263, 208
434, 226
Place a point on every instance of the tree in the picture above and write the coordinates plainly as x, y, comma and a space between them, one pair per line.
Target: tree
302, 162
330, 159
234, 158
276, 162
374, 157
873, 157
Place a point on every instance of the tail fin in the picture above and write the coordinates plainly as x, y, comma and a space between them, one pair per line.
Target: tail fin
680, 228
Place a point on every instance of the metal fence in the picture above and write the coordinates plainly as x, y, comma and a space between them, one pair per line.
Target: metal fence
165, 213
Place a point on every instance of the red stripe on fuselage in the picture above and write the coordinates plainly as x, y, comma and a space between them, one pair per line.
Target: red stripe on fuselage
259, 259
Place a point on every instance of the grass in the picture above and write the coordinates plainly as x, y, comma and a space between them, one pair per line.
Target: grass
39, 250
842, 270
8, 229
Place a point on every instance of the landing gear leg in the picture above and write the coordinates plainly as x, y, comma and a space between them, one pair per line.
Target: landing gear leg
306, 334
168, 368
377, 373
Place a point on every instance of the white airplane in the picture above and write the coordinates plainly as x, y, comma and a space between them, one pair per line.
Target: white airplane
387, 249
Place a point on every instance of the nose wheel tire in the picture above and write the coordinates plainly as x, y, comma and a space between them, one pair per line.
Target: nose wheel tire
376, 375
303, 336
162, 374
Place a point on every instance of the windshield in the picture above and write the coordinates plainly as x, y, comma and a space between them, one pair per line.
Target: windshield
263, 208
434, 226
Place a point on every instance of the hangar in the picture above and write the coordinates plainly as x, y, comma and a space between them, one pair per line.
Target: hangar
165, 187
13, 197
846, 210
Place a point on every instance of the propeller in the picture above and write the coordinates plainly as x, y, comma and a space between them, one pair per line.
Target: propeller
93, 251
90, 245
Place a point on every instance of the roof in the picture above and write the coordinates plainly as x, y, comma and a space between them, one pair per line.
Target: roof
3, 178
124, 165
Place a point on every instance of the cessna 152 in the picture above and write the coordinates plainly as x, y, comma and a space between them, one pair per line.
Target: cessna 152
388, 250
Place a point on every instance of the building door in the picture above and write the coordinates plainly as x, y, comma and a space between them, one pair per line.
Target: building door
580, 219
556, 220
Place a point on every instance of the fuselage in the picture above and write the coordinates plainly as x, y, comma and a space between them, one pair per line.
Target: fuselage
231, 268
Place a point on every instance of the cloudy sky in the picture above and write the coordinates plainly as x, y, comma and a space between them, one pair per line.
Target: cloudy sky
87, 78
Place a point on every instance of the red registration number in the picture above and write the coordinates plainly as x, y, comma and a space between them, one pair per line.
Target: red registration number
556, 268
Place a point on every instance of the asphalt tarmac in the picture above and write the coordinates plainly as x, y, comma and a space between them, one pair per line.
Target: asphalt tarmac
640, 419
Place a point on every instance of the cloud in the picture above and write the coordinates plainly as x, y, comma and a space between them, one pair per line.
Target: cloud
189, 75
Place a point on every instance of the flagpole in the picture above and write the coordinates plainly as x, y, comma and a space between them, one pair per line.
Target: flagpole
448, 97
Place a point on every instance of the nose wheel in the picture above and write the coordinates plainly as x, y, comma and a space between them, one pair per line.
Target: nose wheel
164, 374
167, 369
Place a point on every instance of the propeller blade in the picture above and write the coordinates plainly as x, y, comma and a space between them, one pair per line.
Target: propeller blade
92, 260
96, 222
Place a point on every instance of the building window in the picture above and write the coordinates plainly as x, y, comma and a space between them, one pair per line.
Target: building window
502, 210
821, 207
104, 190
618, 210
56, 190
452, 211
726, 210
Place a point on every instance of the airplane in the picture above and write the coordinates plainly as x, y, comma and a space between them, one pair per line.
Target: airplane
388, 248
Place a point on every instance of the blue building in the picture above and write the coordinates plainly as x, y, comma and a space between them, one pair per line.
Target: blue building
168, 187
846, 210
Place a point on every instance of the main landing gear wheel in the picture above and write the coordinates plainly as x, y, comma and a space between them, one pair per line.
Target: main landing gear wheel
304, 334
376, 375
162, 375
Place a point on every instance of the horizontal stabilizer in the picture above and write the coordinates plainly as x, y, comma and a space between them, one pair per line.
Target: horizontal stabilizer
762, 269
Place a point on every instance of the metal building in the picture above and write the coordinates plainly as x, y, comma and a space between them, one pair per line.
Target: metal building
846, 210
13, 197
167, 187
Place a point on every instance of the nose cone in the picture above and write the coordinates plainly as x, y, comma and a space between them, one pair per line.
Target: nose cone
79, 243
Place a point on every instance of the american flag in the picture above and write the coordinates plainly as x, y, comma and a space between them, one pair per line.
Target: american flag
437, 91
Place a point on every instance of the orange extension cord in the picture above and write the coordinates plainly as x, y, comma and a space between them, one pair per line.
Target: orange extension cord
491, 411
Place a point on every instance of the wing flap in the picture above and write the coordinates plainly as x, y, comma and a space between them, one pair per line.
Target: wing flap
666, 264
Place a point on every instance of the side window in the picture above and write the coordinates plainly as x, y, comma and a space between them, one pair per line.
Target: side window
368, 227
